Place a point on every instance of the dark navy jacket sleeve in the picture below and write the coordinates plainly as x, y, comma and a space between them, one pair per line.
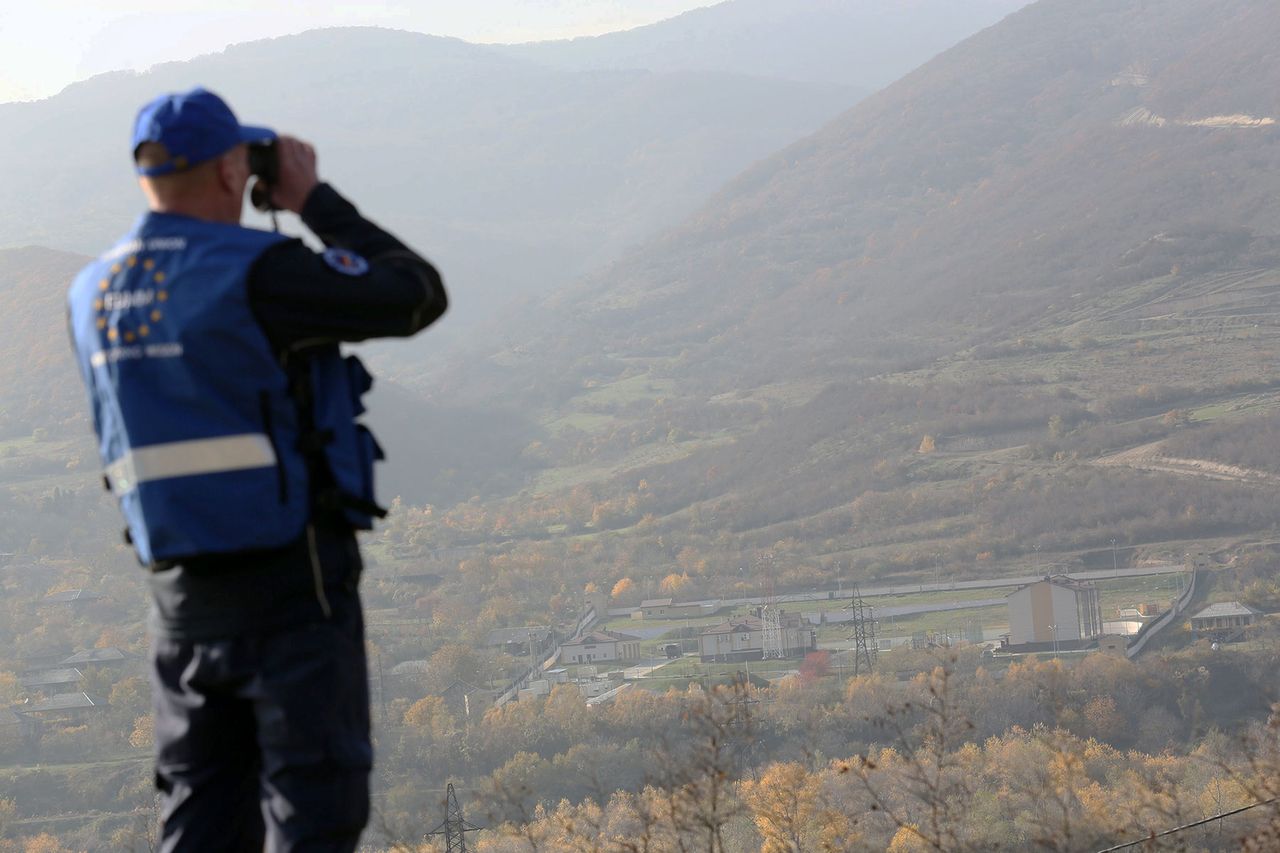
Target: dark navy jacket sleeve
303, 298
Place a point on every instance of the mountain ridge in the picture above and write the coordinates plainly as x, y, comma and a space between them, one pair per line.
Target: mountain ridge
509, 174
801, 40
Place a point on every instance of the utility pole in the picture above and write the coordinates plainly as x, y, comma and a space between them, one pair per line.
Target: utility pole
533, 667
1115, 560
455, 826
382, 684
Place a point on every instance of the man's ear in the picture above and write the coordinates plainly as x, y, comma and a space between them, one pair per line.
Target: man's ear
231, 171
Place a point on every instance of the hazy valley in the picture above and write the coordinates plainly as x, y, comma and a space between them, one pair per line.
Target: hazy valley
733, 329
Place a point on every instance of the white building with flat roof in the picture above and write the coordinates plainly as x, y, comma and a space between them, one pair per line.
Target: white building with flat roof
600, 645
1054, 610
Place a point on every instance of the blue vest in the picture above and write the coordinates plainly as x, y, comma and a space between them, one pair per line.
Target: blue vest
197, 429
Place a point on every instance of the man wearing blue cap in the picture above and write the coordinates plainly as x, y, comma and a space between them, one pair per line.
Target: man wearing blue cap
227, 421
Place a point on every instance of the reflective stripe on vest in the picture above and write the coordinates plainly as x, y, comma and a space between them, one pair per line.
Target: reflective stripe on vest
185, 458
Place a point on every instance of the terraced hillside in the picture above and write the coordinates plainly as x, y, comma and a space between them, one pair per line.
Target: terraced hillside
912, 336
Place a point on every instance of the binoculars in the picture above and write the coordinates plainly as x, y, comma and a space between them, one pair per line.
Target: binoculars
265, 167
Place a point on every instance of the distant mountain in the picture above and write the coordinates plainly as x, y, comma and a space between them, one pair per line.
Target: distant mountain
1020, 169
862, 43
509, 174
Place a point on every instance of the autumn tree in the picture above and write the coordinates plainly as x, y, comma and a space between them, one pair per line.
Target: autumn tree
674, 584
10, 690
567, 711
919, 782
430, 715
696, 778
783, 803
1259, 780
454, 662
144, 732
624, 590
43, 843
516, 787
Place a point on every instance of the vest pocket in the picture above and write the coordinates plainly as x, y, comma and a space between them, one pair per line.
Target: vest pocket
282, 480
370, 452
337, 385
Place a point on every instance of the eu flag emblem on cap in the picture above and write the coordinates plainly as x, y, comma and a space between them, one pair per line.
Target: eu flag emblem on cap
193, 126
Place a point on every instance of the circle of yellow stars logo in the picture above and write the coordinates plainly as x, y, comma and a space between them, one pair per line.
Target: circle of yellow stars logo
154, 316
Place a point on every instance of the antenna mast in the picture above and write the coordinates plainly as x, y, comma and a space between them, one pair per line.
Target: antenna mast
773, 642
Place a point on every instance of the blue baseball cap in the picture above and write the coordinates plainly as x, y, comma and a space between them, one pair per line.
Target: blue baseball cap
194, 126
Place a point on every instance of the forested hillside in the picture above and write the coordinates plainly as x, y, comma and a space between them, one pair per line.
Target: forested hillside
924, 332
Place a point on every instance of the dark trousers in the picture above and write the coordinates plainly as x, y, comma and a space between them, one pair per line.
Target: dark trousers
264, 738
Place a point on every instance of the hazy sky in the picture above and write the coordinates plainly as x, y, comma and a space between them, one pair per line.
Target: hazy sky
46, 44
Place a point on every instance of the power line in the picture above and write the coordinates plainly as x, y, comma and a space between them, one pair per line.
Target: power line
1185, 827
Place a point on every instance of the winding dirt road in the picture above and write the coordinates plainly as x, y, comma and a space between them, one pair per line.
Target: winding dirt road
1148, 457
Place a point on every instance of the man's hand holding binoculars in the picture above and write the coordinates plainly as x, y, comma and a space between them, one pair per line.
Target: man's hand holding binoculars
286, 171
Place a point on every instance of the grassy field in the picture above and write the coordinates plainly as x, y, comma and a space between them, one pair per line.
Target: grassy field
1130, 592
641, 386
954, 621
689, 670
567, 476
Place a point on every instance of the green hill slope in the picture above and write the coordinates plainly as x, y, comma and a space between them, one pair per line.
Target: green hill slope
1014, 171
928, 329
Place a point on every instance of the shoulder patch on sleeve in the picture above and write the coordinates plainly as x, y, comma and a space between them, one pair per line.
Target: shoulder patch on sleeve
345, 261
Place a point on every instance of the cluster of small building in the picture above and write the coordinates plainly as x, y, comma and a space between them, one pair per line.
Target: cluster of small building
1056, 614
53, 697
736, 639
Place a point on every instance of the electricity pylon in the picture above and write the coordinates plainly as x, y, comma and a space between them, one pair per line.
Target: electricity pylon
455, 826
864, 633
